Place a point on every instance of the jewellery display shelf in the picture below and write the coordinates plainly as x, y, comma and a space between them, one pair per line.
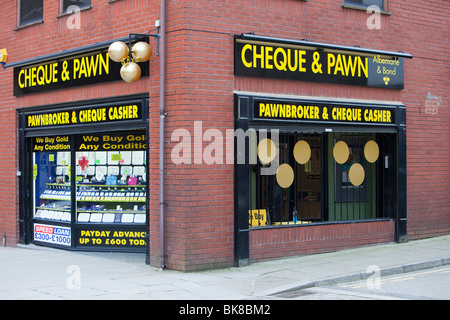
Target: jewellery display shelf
55, 203
95, 203
111, 204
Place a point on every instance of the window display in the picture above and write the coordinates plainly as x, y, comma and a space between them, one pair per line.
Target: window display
111, 178
51, 177
293, 196
95, 183
332, 177
83, 178
111, 187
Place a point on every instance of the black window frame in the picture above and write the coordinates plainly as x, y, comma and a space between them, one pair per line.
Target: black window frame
35, 8
65, 4
359, 3
392, 160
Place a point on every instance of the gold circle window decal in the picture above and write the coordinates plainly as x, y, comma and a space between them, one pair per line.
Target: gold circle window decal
341, 152
266, 151
356, 174
302, 152
371, 151
285, 175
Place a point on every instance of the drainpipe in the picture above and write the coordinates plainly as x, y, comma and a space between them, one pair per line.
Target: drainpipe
162, 115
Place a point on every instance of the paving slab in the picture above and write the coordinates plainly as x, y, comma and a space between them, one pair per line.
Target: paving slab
37, 273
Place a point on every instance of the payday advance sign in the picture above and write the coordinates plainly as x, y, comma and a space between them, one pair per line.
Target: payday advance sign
111, 237
288, 61
88, 68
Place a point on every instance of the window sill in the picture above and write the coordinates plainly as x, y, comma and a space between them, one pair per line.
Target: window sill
351, 6
29, 25
290, 224
61, 15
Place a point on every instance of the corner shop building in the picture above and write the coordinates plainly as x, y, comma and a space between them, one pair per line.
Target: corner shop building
91, 177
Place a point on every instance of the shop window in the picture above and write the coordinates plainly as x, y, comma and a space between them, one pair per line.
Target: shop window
352, 196
320, 177
110, 182
293, 194
79, 3
51, 187
365, 3
30, 11
111, 187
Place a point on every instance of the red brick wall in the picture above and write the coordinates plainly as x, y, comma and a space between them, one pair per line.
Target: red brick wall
206, 65
266, 244
8, 133
428, 133
199, 197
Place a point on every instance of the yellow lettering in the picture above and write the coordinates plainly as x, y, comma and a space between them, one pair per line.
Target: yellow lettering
82, 68
55, 72
33, 77
296, 57
364, 67
48, 75
280, 64
331, 62
27, 78
274, 110
316, 112
259, 56
267, 111
288, 111
76, 67
269, 57
40, 75
21, 83
350, 65
92, 66
346, 114
244, 49
347, 65
377, 116
301, 60
339, 66
104, 64
261, 109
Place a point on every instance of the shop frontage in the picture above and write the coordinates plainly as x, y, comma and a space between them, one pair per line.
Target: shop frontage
316, 174
85, 180
340, 137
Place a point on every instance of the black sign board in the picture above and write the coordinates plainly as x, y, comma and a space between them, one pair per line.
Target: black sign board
104, 113
301, 111
89, 68
111, 237
114, 141
296, 62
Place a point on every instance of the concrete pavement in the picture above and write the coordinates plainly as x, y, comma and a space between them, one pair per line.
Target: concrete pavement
32, 273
